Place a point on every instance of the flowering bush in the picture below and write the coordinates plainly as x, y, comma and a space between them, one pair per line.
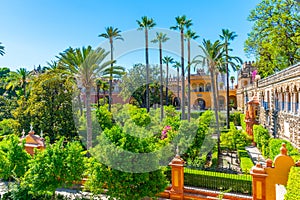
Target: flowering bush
164, 132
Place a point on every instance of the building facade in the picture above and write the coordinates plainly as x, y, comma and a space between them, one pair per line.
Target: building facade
278, 96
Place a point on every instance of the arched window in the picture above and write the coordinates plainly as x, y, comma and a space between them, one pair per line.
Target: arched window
201, 87
208, 87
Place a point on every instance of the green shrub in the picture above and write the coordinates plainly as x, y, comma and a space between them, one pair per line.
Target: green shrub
245, 161
261, 137
235, 118
242, 120
218, 181
274, 148
293, 185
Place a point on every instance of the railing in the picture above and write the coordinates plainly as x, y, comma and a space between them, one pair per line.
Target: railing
235, 183
289, 72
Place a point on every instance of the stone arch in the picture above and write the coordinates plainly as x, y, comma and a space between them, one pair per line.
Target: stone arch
232, 101
200, 103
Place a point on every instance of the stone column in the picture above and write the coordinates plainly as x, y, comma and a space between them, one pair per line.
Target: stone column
176, 191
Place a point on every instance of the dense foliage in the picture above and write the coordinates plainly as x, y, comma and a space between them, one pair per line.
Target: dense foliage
293, 185
261, 137
274, 149
274, 39
54, 167
13, 158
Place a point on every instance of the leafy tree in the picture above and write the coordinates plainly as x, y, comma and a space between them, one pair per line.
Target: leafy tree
167, 60
49, 106
182, 23
2, 51
9, 126
124, 184
228, 36
160, 38
274, 39
134, 88
189, 35
112, 34
14, 159
54, 167
146, 24
232, 79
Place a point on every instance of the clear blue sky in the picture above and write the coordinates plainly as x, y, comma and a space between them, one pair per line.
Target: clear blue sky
35, 31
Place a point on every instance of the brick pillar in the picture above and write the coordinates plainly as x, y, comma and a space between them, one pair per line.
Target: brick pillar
177, 165
259, 176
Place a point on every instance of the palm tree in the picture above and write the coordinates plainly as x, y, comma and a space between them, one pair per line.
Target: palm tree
232, 79
20, 78
182, 23
111, 34
226, 37
2, 52
177, 65
212, 58
85, 65
189, 35
167, 60
146, 24
160, 38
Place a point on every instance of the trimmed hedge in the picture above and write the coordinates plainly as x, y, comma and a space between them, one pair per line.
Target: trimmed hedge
274, 149
261, 138
218, 181
293, 185
245, 161
242, 119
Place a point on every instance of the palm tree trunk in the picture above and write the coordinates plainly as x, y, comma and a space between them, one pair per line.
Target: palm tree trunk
88, 117
189, 80
161, 83
217, 91
98, 96
110, 75
212, 76
182, 77
147, 72
178, 82
167, 83
227, 90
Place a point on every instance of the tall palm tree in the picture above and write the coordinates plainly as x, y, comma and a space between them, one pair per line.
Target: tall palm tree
111, 34
212, 57
146, 24
85, 65
20, 78
189, 35
226, 37
167, 60
177, 65
2, 52
181, 23
160, 38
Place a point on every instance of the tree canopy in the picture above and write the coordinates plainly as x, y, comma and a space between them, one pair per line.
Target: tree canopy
275, 36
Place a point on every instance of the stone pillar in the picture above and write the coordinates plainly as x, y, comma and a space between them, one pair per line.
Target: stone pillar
259, 176
177, 165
